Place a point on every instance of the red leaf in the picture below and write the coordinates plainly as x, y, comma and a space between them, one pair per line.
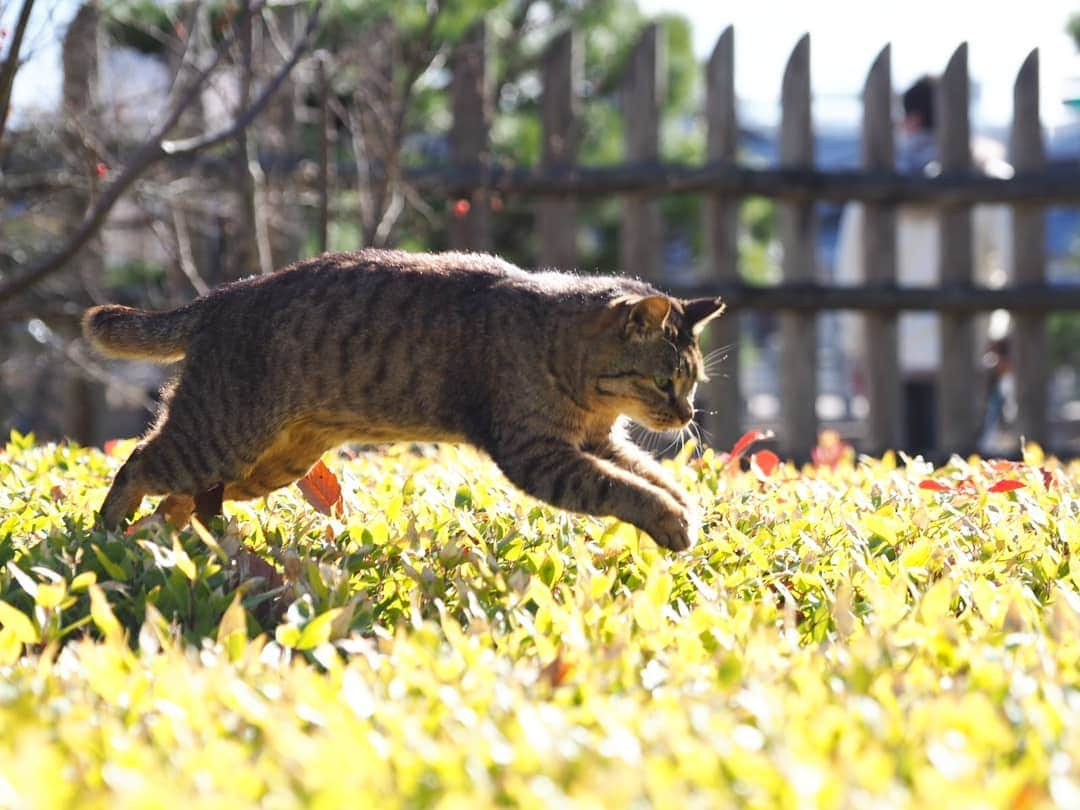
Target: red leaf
557, 671
744, 442
1048, 477
461, 208
321, 489
101, 169
1006, 485
765, 461
110, 446
936, 486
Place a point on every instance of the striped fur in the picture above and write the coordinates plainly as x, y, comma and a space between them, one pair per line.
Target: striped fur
537, 369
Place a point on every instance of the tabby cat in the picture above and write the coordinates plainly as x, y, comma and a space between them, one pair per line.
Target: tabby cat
535, 368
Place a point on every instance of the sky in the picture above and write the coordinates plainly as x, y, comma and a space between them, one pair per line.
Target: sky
845, 37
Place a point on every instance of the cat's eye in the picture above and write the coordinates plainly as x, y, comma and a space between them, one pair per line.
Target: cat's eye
663, 383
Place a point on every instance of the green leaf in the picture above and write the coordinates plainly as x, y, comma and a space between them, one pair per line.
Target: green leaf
113, 570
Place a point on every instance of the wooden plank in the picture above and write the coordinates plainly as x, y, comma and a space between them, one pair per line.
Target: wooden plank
559, 113
1057, 183
721, 397
1029, 338
471, 105
958, 394
641, 235
798, 330
879, 262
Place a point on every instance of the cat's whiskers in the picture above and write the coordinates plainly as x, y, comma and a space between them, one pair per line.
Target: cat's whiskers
717, 358
704, 437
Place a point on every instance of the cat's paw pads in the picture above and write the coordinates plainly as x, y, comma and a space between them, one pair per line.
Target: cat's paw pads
677, 531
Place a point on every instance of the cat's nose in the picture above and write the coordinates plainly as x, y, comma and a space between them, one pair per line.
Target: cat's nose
685, 410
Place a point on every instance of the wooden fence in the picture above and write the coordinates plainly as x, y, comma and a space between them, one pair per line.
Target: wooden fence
796, 185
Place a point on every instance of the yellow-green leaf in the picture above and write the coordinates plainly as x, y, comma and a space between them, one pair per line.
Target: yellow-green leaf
317, 631
916, 555
935, 602
19, 623
51, 594
287, 635
83, 580
882, 526
183, 561
103, 616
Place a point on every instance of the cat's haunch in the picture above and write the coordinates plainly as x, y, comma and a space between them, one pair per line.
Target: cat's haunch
535, 368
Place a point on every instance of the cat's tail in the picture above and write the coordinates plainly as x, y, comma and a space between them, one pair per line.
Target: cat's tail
119, 331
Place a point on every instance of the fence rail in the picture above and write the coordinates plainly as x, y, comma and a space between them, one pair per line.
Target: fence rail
1057, 184
814, 296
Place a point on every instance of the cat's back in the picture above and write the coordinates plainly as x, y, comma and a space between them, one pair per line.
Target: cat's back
374, 278
371, 267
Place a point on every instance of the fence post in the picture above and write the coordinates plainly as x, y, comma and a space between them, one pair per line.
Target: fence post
798, 330
958, 384
1029, 342
471, 104
879, 261
641, 235
557, 217
81, 60
722, 397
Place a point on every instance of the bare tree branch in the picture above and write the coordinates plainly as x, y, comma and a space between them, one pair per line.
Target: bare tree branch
11, 64
156, 148
189, 146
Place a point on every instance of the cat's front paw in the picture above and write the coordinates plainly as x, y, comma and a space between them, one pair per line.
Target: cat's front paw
675, 530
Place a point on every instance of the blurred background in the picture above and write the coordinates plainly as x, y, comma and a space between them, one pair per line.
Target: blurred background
150, 151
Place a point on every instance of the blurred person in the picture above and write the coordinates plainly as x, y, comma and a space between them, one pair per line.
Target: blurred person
997, 438
917, 238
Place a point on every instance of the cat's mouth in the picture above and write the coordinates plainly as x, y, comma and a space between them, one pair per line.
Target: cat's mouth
658, 421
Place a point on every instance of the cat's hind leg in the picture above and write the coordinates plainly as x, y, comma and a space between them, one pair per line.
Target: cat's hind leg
168, 463
208, 503
125, 494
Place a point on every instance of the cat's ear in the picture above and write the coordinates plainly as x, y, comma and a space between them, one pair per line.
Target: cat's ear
647, 315
700, 311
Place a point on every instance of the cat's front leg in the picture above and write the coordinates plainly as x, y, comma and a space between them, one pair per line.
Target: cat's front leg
567, 477
629, 456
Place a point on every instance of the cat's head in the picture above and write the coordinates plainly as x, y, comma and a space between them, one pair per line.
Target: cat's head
644, 360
